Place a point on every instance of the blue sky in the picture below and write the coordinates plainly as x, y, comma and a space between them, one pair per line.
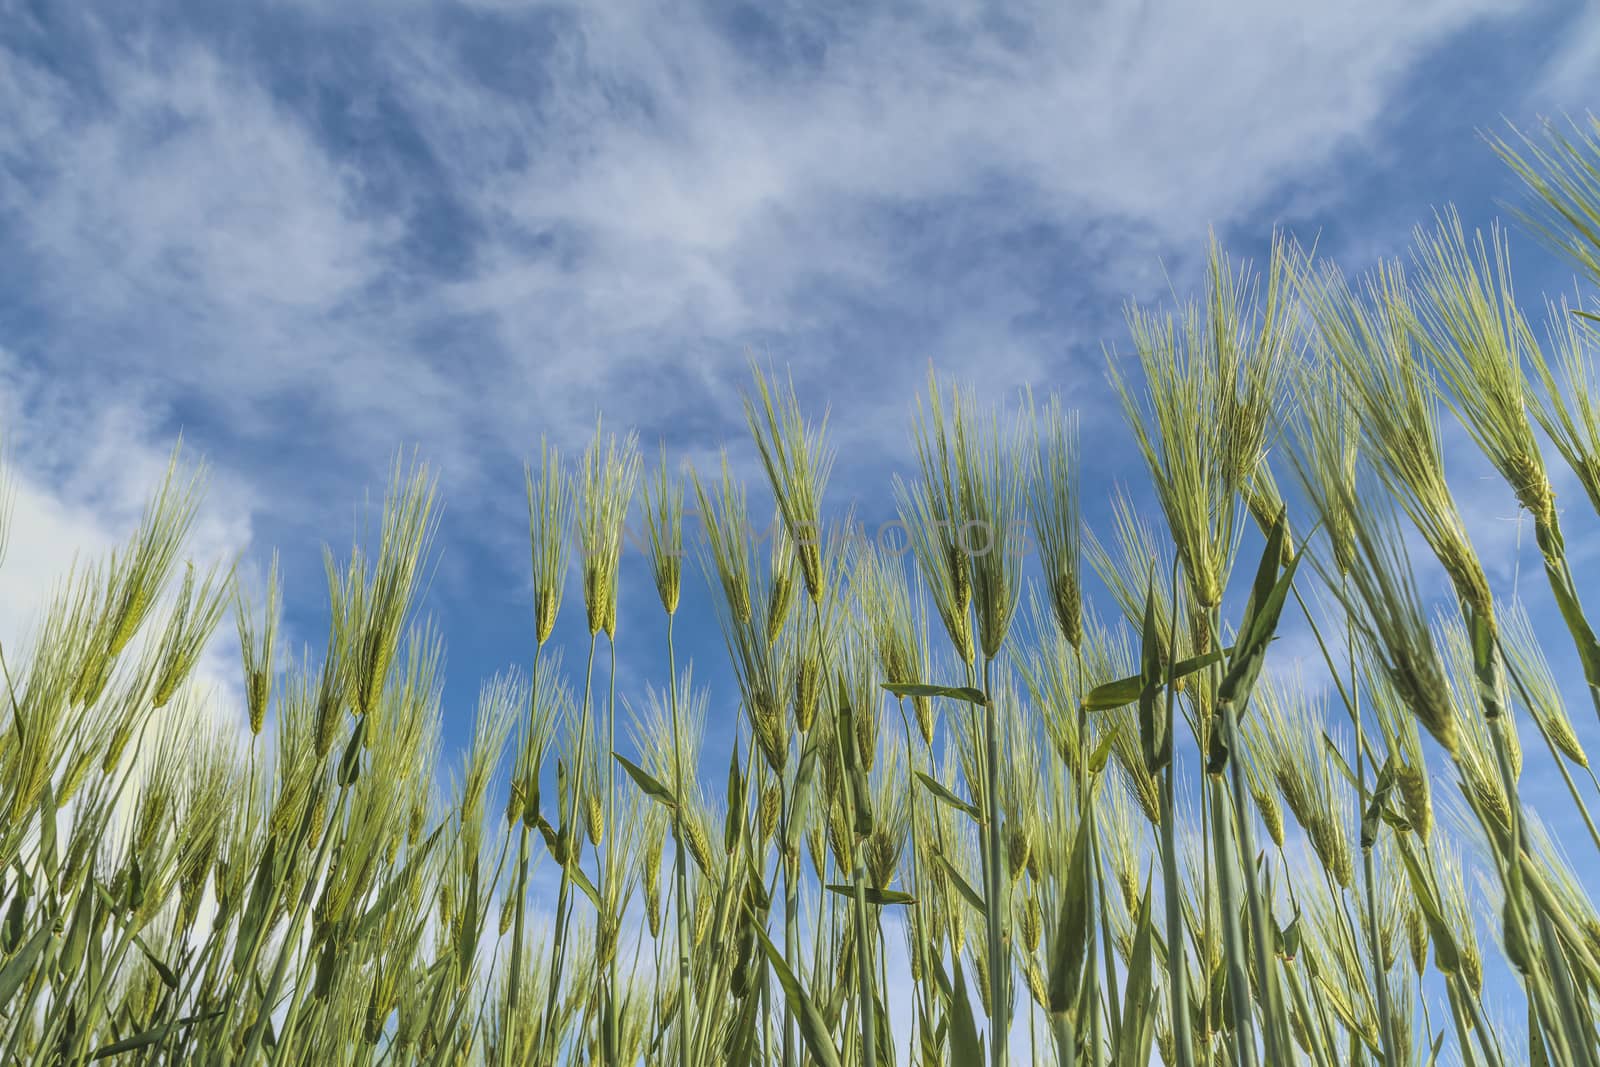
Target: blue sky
307, 239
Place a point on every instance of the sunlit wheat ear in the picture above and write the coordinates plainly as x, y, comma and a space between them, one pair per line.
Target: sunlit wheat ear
500, 708
1138, 551
346, 595
883, 601
797, 463
857, 675
891, 812
607, 475
1022, 783
652, 727
627, 842
138, 575
1477, 337
1189, 366
1284, 734
1343, 984
1385, 611
1324, 436
1108, 655
780, 580
1562, 169
1413, 779
1373, 340
1459, 910
759, 665
1565, 401
256, 647
31, 745
1389, 915
1053, 507
1475, 755
932, 511
409, 522
1123, 841
188, 629
549, 520
1536, 687
589, 775
1258, 781
990, 463
663, 517
725, 553
1049, 671
801, 653
549, 703
1251, 370
1566, 886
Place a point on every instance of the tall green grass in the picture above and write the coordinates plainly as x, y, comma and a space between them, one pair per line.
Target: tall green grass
1084, 840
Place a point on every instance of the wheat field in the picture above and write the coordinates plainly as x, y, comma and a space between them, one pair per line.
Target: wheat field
1095, 818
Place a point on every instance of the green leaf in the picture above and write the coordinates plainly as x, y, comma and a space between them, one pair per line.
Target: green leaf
168, 979
263, 888
1154, 743
581, 880
937, 788
813, 1027
962, 885
1484, 665
651, 785
350, 761
1289, 940
1336, 758
149, 1037
954, 692
1102, 751
1137, 1032
18, 967
874, 895
1113, 695
1380, 797
1070, 946
965, 1045
1260, 618
47, 831
733, 822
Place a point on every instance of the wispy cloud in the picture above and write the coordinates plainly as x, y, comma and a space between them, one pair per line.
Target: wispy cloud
309, 236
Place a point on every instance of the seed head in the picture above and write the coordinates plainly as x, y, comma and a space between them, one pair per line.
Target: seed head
549, 520
797, 463
607, 476
663, 515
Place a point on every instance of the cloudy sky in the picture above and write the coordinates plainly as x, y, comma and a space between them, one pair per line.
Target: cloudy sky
306, 240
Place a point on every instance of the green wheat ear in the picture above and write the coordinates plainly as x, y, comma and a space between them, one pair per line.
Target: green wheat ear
607, 476
1056, 515
1373, 339
797, 463
663, 514
1477, 338
1562, 170
256, 648
1565, 401
549, 522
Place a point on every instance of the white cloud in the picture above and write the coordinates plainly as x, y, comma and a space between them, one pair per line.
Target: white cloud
697, 193
80, 488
